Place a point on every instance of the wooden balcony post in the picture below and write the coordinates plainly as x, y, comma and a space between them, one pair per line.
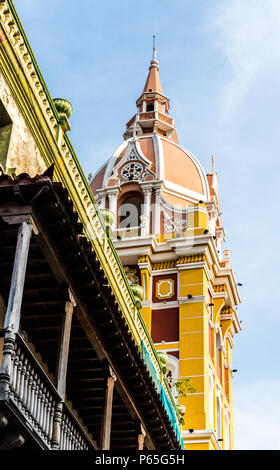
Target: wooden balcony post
141, 437
63, 351
12, 318
57, 426
107, 416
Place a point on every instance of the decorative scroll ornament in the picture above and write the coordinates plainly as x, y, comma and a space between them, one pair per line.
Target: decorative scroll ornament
144, 224
173, 226
131, 274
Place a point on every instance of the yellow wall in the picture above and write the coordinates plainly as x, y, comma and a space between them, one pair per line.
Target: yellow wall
198, 320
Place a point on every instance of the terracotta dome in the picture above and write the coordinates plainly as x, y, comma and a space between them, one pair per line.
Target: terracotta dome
159, 159
151, 158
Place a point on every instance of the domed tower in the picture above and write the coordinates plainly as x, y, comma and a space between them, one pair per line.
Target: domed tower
169, 236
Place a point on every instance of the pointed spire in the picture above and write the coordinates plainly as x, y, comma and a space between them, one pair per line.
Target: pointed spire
152, 114
153, 81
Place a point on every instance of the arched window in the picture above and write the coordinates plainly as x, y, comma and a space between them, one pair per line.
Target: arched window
211, 402
150, 107
218, 349
226, 432
130, 211
218, 344
219, 417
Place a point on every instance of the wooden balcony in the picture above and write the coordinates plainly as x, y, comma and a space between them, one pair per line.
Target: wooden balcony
72, 374
31, 393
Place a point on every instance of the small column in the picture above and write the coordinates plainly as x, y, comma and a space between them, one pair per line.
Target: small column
12, 318
157, 210
108, 406
102, 198
227, 258
113, 199
141, 437
145, 227
64, 345
220, 239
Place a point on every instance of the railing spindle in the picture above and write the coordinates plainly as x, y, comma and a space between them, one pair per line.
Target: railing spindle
36, 397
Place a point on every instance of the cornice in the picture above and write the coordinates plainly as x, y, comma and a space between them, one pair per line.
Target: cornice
192, 300
201, 436
15, 35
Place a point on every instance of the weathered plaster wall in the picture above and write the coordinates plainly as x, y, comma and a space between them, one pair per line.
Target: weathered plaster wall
23, 153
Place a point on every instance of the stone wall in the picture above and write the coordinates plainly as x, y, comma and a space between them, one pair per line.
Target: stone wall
23, 153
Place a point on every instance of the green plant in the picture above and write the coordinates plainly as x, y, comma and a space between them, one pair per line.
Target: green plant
184, 386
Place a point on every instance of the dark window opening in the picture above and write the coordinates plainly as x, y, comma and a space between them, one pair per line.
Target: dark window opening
150, 107
130, 212
5, 135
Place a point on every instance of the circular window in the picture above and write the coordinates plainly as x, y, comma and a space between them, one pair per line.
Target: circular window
132, 171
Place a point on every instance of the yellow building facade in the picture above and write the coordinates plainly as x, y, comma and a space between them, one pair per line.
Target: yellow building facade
168, 233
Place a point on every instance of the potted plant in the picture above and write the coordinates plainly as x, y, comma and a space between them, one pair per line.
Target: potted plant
163, 359
138, 293
109, 219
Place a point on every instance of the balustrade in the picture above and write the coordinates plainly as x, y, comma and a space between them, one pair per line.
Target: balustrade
72, 436
37, 399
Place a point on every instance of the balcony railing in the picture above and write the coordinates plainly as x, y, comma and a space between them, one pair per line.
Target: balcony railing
35, 396
165, 118
72, 436
147, 116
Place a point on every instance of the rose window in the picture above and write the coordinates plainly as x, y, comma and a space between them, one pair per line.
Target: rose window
132, 171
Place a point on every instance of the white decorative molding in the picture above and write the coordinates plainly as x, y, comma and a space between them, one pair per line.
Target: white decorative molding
132, 156
194, 299
173, 226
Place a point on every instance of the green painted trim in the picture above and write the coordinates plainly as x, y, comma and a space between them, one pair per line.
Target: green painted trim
163, 378
30, 52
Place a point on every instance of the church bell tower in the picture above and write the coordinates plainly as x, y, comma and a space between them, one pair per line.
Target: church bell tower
168, 232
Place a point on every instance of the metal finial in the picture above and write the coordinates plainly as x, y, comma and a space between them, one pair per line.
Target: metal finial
154, 61
154, 47
213, 164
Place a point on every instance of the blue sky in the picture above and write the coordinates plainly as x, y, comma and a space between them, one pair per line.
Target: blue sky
220, 66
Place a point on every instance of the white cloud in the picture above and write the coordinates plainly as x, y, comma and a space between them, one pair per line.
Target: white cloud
248, 34
257, 415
